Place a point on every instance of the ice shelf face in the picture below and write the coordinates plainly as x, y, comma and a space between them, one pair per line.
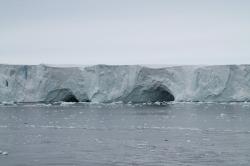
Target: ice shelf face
103, 83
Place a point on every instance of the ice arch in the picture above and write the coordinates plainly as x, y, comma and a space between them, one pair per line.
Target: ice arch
65, 95
153, 93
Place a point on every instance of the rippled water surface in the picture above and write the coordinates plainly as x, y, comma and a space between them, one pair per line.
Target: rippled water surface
116, 134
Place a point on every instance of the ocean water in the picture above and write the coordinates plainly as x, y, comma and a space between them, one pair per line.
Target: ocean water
82, 134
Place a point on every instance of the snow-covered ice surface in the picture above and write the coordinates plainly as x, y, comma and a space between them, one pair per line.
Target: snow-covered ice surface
116, 134
103, 83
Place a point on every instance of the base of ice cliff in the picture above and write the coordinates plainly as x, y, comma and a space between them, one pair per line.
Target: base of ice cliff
103, 83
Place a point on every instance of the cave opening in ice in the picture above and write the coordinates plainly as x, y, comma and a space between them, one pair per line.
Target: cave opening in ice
153, 93
65, 95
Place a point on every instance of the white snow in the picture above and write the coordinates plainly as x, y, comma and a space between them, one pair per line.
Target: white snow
3, 153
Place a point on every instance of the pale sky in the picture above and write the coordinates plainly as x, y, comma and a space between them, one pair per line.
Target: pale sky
125, 31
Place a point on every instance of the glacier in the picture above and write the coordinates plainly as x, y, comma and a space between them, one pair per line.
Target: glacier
126, 83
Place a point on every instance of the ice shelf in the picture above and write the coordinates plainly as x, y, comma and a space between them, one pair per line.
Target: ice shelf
126, 83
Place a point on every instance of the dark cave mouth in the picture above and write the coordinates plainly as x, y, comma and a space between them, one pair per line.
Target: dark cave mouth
64, 95
160, 94
70, 98
155, 93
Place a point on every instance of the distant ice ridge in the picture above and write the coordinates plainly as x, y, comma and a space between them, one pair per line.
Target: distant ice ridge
127, 84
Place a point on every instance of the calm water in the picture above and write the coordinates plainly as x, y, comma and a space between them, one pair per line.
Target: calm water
115, 134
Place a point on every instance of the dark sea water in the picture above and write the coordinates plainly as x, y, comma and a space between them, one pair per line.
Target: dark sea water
189, 134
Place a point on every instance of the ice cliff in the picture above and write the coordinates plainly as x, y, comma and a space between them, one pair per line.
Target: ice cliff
103, 83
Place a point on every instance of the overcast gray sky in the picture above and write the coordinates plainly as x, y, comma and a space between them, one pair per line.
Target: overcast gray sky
125, 31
